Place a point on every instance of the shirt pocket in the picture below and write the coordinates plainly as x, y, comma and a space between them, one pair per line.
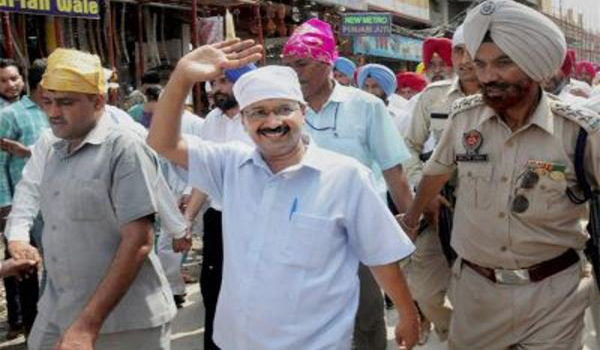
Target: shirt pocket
475, 188
548, 196
87, 200
308, 240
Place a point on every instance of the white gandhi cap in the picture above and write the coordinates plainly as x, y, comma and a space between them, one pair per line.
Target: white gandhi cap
265, 83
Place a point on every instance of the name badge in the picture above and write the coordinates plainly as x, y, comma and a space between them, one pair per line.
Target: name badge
439, 115
472, 142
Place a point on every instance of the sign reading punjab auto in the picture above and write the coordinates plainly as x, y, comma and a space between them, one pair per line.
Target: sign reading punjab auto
66, 8
367, 24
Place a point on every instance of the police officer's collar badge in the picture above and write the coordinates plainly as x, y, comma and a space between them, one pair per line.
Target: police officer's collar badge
487, 8
472, 142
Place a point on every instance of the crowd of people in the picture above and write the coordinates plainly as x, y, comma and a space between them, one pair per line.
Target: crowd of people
324, 193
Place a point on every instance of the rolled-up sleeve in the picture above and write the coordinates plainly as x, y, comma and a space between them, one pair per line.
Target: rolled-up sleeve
135, 180
373, 233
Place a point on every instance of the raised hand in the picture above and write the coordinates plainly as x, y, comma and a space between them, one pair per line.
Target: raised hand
208, 62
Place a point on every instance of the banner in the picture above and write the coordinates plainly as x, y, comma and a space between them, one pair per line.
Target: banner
395, 46
366, 24
66, 8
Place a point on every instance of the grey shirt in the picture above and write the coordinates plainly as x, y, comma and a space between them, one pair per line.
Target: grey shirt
86, 196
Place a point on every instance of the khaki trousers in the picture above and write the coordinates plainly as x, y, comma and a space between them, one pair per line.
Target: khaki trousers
547, 315
428, 276
45, 335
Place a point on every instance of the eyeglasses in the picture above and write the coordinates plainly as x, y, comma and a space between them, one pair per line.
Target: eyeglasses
333, 128
281, 112
520, 203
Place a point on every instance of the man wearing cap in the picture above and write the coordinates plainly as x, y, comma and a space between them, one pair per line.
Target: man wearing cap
517, 282
23, 122
223, 124
106, 289
296, 218
343, 71
354, 123
428, 271
437, 58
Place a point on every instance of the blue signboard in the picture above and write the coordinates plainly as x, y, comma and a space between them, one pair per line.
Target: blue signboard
393, 46
68, 8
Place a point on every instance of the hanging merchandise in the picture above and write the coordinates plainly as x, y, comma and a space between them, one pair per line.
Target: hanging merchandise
122, 34
163, 41
229, 26
154, 40
270, 27
91, 37
19, 46
281, 11
150, 29
210, 30
82, 36
51, 43
99, 45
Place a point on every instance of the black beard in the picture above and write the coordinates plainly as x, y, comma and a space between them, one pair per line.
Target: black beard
224, 102
513, 94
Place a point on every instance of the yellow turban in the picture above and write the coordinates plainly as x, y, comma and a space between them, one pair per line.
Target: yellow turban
420, 68
74, 71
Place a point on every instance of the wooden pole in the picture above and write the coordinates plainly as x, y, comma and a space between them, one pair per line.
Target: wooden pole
8, 44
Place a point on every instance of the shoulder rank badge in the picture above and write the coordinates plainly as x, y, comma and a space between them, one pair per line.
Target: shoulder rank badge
472, 141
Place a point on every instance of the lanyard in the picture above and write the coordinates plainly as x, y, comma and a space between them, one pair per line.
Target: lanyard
334, 127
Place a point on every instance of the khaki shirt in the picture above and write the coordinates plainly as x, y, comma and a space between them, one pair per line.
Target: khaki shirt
486, 230
87, 195
428, 119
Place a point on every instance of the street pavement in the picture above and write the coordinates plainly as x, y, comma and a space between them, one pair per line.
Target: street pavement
188, 328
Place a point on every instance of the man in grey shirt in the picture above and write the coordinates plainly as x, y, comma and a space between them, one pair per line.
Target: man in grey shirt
106, 289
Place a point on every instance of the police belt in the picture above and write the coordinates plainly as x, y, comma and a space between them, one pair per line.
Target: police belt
534, 273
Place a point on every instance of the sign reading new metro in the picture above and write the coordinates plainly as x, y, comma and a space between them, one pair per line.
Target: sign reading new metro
367, 24
67, 8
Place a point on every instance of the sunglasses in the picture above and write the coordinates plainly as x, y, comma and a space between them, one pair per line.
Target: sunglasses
520, 202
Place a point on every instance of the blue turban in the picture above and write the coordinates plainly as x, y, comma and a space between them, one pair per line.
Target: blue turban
234, 74
345, 66
382, 74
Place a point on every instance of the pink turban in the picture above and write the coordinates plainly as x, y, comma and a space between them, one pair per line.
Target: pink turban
313, 39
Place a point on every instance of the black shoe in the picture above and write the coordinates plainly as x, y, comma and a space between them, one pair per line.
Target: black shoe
179, 300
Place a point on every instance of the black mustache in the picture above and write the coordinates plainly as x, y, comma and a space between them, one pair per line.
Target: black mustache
281, 128
502, 86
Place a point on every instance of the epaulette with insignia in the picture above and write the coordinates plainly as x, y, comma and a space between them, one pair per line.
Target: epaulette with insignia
587, 119
465, 103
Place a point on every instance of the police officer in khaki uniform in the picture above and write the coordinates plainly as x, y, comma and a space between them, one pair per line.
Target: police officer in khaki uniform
427, 270
518, 281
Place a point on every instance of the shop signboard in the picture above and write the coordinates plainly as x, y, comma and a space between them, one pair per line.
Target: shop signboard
359, 5
366, 24
395, 46
418, 9
66, 8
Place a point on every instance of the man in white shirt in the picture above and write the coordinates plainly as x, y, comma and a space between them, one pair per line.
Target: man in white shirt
297, 219
223, 124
